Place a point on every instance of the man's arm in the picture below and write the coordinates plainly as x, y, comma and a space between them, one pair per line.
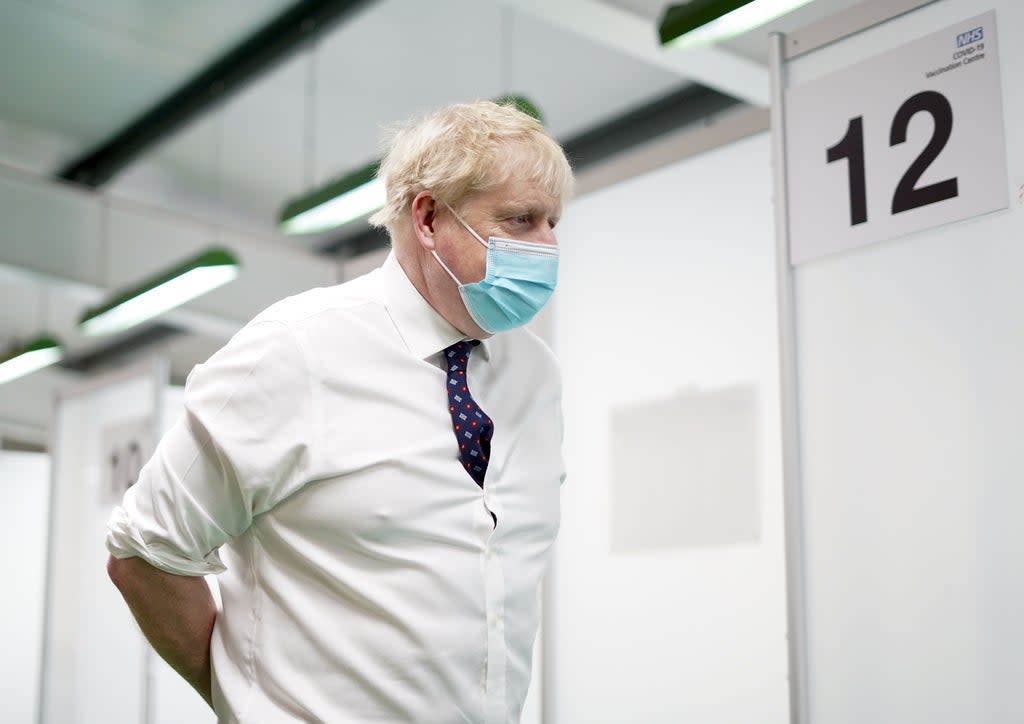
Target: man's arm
176, 613
240, 446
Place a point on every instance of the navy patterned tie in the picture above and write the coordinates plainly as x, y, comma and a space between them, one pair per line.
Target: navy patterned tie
473, 428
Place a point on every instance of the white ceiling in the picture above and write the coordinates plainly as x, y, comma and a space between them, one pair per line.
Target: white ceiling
323, 112
73, 72
80, 68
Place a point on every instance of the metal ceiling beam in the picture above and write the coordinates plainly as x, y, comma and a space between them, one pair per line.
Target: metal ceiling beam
125, 346
636, 36
683, 107
368, 239
269, 46
688, 105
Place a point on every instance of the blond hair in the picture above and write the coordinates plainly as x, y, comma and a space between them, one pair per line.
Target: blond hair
465, 149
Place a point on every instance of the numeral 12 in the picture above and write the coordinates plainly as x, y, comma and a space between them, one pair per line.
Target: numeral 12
907, 195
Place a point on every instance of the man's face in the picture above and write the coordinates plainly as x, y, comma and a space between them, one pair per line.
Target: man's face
517, 209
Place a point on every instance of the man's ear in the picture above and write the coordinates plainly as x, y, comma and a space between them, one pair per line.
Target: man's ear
424, 209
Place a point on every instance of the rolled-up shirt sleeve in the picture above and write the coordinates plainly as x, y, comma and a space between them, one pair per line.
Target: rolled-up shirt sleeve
243, 443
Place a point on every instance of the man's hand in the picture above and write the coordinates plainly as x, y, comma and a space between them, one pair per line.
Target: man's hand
176, 613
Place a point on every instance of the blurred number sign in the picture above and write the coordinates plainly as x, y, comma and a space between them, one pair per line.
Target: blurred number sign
126, 448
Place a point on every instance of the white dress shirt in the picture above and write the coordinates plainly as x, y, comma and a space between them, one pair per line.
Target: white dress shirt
316, 471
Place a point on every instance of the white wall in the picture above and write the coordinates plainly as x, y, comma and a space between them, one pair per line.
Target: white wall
668, 285
24, 500
910, 356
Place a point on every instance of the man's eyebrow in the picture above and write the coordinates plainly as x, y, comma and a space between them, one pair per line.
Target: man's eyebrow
513, 208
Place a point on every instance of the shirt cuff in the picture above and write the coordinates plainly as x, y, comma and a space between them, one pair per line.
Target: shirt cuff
124, 540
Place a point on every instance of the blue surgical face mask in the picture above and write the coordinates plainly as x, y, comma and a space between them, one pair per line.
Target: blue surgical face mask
520, 278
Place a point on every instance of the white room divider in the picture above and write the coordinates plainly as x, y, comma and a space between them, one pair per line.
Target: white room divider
903, 362
95, 663
97, 667
668, 590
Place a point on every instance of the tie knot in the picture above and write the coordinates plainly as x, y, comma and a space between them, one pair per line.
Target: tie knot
457, 355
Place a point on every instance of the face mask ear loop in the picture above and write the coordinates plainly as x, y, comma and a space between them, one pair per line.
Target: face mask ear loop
445, 267
470, 230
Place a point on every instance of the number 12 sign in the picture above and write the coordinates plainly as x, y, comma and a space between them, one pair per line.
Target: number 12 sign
904, 141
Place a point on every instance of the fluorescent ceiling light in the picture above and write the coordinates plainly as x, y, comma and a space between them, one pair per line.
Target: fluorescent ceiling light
155, 296
356, 194
704, 22
33, 356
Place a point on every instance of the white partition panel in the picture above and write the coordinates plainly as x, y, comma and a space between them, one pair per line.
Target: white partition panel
909, 357
666, 306
94, 657
24, 500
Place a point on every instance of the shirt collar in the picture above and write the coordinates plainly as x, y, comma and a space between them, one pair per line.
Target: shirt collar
424, 331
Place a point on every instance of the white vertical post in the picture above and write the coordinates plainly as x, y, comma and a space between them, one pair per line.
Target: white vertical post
791, 461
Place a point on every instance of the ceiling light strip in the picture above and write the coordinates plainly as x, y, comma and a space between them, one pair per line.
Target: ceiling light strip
192, 278
700, 23
36, 355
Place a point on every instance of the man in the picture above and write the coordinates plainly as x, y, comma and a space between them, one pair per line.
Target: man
377, 490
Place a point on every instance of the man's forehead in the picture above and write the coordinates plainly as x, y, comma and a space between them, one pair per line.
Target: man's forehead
525, 195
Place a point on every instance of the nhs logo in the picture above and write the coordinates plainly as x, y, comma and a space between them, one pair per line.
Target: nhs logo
970, 37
